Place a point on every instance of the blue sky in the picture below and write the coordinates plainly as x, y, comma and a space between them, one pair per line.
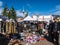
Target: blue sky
42, 7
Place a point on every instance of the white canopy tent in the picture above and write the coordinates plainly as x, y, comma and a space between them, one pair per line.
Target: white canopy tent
28, 18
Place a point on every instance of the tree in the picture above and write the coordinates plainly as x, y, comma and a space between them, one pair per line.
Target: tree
5, 11
9, 15
12, 13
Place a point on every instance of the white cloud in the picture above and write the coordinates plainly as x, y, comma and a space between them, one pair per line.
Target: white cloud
29, 12
1, 3
58, 7
38, 13
55, 11
19, 13
1, 9
29, 6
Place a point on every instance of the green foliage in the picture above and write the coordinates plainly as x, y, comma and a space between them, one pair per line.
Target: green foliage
5, 11
12, 13
40, 31
9, 13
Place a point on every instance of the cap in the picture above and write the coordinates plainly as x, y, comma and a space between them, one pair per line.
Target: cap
54, 18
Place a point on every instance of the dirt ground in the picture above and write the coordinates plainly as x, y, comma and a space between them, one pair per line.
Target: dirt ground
45, 42
42, 42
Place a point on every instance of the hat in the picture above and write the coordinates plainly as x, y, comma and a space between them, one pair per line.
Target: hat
58, 18
33, 32
54, 18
